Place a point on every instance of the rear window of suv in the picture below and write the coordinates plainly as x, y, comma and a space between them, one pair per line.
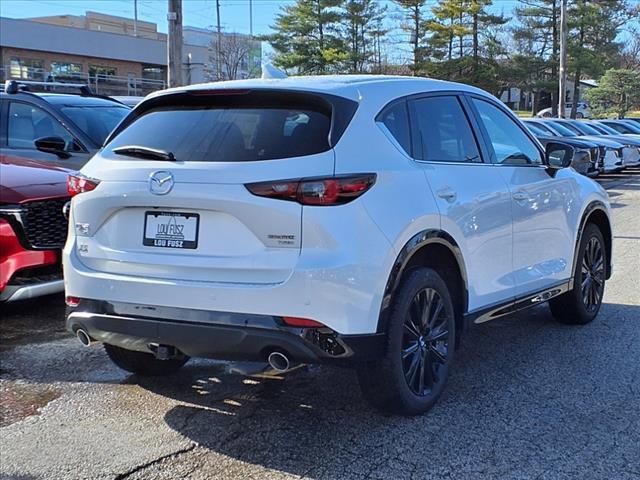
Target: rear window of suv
230, 128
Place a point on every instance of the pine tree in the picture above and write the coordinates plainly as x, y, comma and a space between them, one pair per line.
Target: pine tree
462, 42
416, 24
538, 43
618, 91
362, 30
307, 37
594, 26
445, 27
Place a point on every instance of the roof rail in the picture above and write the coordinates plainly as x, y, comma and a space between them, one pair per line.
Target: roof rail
15, 86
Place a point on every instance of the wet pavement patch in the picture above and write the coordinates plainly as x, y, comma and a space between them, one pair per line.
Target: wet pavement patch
19, 400
38, 321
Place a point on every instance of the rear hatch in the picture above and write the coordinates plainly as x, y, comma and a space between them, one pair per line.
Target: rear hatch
172, 201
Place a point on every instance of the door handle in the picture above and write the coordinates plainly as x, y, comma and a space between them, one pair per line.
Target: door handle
447, 194
520, 196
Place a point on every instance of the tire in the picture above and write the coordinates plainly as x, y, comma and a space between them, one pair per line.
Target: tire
143, 363
580, 305
579, 115
412, 384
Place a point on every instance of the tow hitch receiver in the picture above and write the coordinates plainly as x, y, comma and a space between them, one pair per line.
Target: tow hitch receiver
164, 352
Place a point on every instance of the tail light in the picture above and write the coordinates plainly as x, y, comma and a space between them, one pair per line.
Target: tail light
336, 190
77, 183
301, 322
72, 301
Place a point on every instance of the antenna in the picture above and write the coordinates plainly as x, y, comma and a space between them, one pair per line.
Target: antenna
269, 72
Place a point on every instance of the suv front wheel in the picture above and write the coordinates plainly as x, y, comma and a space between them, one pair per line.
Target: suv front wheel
420, 347
580, 305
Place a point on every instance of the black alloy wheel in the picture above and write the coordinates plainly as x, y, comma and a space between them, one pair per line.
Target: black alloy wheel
421, 346
581, 304
425, 343
592, 275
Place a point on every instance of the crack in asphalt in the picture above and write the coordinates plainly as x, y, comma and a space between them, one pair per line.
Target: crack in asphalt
155, 461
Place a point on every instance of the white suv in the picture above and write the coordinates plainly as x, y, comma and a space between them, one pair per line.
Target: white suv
360, 220
582, 111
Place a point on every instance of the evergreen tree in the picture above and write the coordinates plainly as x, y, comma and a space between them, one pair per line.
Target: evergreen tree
307, 37
446, 27
618, 91
594, 26
537, 42
416, 24
362, 31
463, 43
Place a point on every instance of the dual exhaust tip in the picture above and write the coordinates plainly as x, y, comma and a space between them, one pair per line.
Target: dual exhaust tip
84, 337
279, 361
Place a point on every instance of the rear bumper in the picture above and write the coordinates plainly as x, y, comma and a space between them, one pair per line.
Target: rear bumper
218, 335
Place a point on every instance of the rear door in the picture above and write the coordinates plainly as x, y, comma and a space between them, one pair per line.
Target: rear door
472, 196
193, 218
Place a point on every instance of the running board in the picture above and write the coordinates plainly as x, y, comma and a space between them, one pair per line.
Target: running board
496, 311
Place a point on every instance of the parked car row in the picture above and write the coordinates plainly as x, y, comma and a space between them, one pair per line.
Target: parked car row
602, 146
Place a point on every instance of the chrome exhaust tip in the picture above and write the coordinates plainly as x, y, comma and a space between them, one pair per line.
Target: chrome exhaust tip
279, 361
84, 338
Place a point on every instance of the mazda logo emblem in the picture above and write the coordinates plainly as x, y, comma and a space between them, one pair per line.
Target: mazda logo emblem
160, 183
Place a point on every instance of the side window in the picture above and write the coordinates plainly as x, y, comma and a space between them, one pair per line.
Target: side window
27, 123
510, 144
441, 131
396, 120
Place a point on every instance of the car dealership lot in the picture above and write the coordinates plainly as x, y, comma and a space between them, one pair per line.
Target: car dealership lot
530, 398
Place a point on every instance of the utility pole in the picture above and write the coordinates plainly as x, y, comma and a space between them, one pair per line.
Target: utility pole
251, 19
174, 43
218, 43
135, 18
563, 58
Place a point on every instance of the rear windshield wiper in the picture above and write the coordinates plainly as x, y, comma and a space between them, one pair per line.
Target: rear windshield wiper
144, 152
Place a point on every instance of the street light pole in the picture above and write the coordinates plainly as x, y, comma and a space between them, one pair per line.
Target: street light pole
563, 59
135, 18
218, 44
174, 43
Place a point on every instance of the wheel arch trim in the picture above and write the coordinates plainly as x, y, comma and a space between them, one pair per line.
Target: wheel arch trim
587, 214
415, 244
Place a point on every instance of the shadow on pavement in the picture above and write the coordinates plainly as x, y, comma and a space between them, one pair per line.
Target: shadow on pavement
32, 321
524, 387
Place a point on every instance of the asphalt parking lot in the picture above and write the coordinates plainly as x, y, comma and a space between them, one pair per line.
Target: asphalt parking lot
528, 399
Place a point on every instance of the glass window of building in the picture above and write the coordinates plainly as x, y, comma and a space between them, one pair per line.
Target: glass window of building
101, 71
66, 69
26, 68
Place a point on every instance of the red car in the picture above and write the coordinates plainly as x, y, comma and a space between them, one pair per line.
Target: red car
33, 228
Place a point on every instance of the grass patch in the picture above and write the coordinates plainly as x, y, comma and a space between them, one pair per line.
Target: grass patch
525, 113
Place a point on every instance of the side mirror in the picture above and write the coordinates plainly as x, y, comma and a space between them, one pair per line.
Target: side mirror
559, 155
55, 145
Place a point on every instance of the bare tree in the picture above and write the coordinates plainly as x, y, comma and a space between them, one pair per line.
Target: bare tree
631, 53
235, 55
